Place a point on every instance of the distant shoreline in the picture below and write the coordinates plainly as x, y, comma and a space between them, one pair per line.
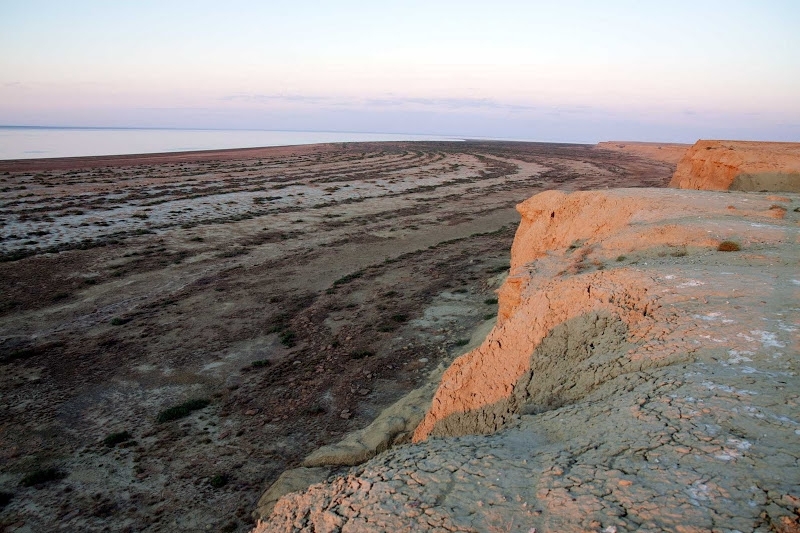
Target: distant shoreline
224, 154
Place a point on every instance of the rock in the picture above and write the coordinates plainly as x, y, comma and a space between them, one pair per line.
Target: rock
346, 414
637, 380
290, 481
739, 166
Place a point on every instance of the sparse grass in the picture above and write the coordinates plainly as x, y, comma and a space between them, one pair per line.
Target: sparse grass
117, 438
182, 410
234, 252
679, 252
490, 301
230, 527
728, 246
39, 477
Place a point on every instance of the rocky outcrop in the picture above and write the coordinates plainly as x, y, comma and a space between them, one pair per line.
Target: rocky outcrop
638, 379
739, 166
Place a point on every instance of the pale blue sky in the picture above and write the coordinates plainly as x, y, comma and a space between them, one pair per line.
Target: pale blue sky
575, 71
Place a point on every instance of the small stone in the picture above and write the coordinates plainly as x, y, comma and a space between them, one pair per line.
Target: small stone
363, 392
625, 483
346, 414
251, 412
423, 360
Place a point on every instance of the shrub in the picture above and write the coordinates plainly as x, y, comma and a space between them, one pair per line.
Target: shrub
288, 338
261, 363
38, 477
621, 258
728, 246
400, 317
117, 438
490, 301
182, 410
461, 342
218, 481
314, 409
361, 354
117, 321
5, 498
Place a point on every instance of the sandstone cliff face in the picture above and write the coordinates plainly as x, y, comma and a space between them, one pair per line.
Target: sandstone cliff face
739, 166
638, 379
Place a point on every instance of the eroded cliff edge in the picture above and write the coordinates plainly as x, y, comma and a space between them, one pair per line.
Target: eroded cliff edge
739, 166
637, 379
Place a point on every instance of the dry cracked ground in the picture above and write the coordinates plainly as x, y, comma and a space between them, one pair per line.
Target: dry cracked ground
177, 330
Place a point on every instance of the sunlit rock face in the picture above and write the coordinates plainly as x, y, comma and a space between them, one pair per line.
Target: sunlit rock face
739, 166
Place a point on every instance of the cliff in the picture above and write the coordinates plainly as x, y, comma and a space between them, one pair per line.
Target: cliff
666, 152
640, 378
739, 166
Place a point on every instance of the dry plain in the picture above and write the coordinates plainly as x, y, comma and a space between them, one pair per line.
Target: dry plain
298, 291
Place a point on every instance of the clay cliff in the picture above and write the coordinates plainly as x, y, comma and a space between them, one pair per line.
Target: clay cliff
642, 376
739, 166
667, 152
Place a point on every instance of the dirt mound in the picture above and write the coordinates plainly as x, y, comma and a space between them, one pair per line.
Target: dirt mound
740, 166
639, 378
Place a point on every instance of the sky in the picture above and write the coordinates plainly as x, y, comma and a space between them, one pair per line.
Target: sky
550, 71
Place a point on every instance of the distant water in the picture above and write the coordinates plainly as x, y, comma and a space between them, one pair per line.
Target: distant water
28, 142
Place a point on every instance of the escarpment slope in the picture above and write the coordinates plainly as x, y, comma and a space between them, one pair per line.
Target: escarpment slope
639, 378
739, 166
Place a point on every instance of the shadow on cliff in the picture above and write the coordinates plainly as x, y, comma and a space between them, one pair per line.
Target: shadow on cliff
766, 182
573, 359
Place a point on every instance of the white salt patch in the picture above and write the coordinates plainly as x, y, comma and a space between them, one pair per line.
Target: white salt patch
769, 340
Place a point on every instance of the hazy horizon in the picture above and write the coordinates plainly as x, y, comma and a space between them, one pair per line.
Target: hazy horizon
577, 72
